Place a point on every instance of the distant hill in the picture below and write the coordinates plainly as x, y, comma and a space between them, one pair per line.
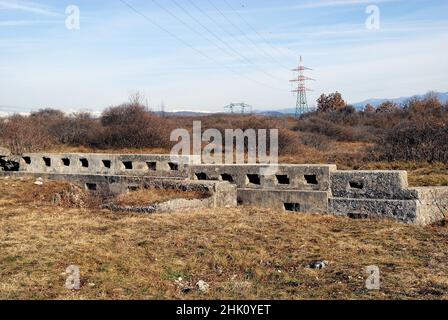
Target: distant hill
443, 97
6, 110
376, 102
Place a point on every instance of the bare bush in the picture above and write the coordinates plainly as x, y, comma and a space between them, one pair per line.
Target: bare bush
415, 141
131, 126
330, 103
24, 134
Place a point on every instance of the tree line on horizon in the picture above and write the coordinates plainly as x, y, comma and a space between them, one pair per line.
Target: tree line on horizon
416, 131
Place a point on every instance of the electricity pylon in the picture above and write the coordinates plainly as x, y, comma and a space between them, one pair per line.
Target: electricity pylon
302, 106
243, 107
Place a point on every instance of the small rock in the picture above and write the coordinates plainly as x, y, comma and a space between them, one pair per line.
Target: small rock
318, 264
92, 285
183, 286
203, 286
38, 183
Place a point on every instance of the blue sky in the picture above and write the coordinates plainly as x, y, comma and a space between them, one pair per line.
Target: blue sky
205, 66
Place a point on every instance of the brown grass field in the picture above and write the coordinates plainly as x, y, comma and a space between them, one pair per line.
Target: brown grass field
242, 253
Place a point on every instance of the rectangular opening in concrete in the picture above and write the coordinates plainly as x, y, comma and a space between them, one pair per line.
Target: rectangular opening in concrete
311, 179
201, 176
91, 186
282, 179
253, 179
107, 164
27, 160
128, 165
226, 177
47, 161
358, 185
84, 163
152, 166
173, 166
358, 215
294, 207
66, 162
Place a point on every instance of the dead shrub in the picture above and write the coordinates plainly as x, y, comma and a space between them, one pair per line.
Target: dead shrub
25, 134
131, 126
65, 195
313, 140
415, 141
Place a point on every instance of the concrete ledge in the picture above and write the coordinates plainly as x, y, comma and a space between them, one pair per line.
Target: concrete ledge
371, 185
285, 200
403, 210
110, 164
286, 177
433, 204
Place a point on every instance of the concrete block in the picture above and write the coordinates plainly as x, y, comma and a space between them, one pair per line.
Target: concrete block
371, 185
285, 200
108, 164
286, 177
432, 203
403, 210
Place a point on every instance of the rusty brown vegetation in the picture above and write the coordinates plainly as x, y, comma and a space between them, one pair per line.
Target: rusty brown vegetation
242, 253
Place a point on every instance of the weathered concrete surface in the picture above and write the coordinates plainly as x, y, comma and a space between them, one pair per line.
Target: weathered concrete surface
285, 200
305, 188
403, 210
371, 185
386, 194
172, 206
107, 164
286, 177
432, 204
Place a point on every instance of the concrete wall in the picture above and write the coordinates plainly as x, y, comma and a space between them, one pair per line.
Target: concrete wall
385, 194
285, 200
371, 185
286, 177
107, 164
304, 188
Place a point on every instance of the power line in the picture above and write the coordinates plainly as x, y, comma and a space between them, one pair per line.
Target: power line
230, 49
252, 27
232, 35
246, 36
173, 35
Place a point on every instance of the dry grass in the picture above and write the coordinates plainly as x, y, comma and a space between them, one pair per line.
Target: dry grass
152, 196
243, 253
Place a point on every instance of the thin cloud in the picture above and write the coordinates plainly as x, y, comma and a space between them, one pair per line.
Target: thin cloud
30, 7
